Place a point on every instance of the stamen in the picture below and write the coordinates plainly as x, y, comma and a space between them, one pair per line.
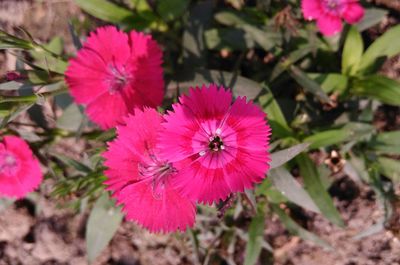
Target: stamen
8, 163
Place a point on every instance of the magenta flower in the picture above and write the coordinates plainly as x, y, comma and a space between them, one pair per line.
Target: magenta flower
115, 72
140, 180
218, 147
329, 13
20, 171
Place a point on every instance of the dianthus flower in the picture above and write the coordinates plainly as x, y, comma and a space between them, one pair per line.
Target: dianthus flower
217, 147
20, 171
140, 179
329, 13
115, 72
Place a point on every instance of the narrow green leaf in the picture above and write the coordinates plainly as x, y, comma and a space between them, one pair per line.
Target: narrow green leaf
242, 86
103, 222
281, 157
317, 191
352, 52
297, 230
256, 238
378, 87
74, 164
276, 119
8, 41
194, 51
390, 168
228, 38
384, 47
292, 58
332, 82
308, 84
371, 17
71, 119
267, 39
386, 143
291, 189
351, 131
172, 9
105, 10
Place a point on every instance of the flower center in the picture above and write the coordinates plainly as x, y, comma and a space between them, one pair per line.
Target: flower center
158, 172
117, 79
8, 163
332, 5
216, 143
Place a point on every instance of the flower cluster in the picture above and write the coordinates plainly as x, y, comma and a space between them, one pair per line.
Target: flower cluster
160, 166
329, 13
202, 151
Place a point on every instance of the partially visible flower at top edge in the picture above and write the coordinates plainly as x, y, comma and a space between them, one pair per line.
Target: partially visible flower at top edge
218, 147
329, 13
20, 171
114, 73
140, 179
13, 75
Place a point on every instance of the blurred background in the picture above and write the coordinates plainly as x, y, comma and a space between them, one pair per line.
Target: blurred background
334, 204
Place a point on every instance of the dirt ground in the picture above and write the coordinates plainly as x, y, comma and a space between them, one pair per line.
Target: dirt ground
43, 233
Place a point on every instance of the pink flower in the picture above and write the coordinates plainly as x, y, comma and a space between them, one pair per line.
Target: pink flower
141, 180
329, 13
20, 171
218, 147
115, 72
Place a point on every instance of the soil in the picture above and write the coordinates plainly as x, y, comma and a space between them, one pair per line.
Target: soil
37, 231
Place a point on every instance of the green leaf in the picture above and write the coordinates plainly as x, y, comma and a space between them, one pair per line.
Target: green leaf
378, 87
316, 190
292, 58
281, 157
387, 143
308, 84
194, 51
291, 189
331, 82
8, 41
371, 17
351, 131
297, 230
256, 238
103, 222
267, 39
352, 52
228, 38
390, 168
172, 9
382, 48
242, 86
79, 166
273, 195
71, 119
105, 10
276, 119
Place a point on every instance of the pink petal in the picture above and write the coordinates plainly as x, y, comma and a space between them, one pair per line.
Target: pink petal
353, 13
329, 25
311, 9
168, 213
148, 199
